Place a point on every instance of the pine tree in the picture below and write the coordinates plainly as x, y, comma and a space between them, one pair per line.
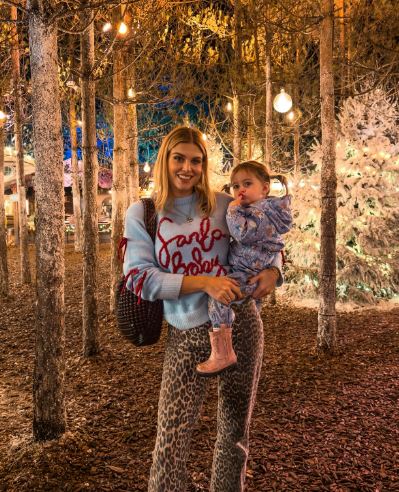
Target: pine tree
367, 153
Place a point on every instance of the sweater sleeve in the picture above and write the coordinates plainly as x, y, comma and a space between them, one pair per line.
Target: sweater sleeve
140, 262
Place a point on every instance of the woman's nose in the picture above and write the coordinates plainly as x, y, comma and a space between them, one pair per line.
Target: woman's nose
186, 165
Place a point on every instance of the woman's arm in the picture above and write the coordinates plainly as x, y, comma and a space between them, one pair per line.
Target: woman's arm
223, 289
141, 264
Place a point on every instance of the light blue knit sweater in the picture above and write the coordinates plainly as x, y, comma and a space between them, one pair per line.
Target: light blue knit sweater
181, 248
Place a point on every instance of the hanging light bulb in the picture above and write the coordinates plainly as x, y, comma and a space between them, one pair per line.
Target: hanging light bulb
229, 106
130, 93
282, 102
3, 116
122, 29
204, 137
147, 167
79, 122
291, 116
107, 27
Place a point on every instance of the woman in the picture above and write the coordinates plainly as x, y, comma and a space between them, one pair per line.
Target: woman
188, 264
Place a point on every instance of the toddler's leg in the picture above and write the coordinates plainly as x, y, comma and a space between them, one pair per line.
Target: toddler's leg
222, 352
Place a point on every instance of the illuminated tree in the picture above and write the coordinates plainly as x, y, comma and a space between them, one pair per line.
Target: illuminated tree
367, 164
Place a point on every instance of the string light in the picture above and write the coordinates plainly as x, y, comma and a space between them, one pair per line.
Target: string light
122, 29
229, 106
131, 93
3, 116
107, 27
79, 122
291, 116
147, 168
204, 137
282, 102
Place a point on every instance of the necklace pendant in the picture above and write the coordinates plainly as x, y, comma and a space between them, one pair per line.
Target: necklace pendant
189, 219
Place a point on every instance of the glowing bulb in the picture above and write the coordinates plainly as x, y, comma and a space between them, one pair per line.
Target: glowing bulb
79, 122
229, 106
301, 183
107, 27
365, 150
8, 150
388, 155
3, 116
291, 116
282, 102
204, 137
122, 29
147, 168
382, 154
131, 93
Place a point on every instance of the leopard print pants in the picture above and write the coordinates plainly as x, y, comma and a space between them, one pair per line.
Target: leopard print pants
181, 396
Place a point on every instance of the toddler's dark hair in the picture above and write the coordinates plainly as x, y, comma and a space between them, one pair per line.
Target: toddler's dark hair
260, 170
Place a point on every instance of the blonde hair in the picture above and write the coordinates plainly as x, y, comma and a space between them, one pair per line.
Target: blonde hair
162, 193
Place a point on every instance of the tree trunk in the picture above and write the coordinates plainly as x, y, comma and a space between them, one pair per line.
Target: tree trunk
133, 146
326, 335
91, 344
236, 130
269, 103
297, 164
77, 213
118, 172
250, 130
3, 229
342, 50
20, 171
236, 83
49, 368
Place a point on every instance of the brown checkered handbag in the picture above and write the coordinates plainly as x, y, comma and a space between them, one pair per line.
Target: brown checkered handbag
139, 321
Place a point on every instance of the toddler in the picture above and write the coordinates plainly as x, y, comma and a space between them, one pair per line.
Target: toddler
256, 222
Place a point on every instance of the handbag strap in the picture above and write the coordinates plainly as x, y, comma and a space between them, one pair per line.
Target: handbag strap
150, 217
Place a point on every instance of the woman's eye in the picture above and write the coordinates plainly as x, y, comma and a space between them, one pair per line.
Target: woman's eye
178, 158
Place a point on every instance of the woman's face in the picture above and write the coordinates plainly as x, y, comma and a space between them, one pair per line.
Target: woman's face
184, 168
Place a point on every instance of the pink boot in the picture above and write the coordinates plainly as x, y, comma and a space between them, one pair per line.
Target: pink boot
222, 353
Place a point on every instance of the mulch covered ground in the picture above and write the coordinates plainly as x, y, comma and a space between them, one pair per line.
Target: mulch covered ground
327, 424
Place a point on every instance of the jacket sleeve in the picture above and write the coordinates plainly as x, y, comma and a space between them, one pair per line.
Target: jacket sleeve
145, 276
260, 221
279, 214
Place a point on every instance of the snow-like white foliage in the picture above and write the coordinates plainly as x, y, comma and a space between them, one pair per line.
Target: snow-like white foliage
217, 175
367, 164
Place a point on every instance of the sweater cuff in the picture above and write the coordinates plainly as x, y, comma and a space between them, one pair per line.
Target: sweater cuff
171, 285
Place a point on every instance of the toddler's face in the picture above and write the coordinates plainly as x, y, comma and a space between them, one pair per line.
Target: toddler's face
248, 188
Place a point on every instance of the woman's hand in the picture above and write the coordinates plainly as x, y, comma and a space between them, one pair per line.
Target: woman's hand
223, 289
266, 280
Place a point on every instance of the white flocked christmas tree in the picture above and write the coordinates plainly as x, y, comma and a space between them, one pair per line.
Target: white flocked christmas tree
218, 172
367, 166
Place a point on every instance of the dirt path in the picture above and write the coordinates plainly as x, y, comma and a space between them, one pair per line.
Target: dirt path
319, 425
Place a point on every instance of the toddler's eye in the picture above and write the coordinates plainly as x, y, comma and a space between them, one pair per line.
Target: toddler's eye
235, 186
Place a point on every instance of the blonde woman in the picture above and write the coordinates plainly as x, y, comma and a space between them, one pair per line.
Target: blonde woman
187, 264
